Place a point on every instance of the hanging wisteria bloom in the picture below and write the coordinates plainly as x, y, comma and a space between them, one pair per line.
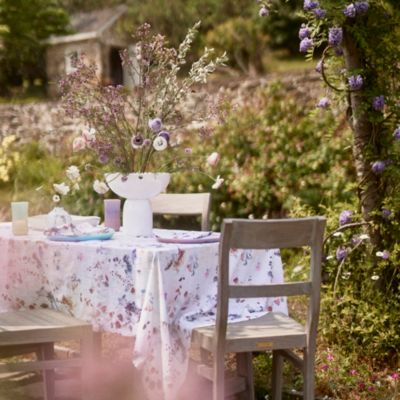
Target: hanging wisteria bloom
335, 36
310, 5
361, 6
318, 67
386, 213
378, 166
324, 103
356, 82
341, 253
378, 103
306, 44
396, 133
350, 11
304, 32
264, 12
345, 217
320, 13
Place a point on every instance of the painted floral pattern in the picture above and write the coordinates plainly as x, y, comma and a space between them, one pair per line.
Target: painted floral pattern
155, 292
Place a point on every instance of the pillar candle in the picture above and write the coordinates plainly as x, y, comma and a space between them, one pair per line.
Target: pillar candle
19, 212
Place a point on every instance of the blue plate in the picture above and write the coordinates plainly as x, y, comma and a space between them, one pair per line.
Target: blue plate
97, 236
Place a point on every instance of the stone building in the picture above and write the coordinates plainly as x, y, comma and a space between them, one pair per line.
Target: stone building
96, 34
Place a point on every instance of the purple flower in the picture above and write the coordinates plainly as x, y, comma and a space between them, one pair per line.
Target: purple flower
396, 133
338, 51
385, 255
335, 36
146, 142
350, 11
137, 141
310, 5
386, 213
341, 253
345, 217
355, 82
320, 13
361, 6
304, 32
378, 166
318, 67
264, 12
324, 103
378, 103
305, 45
165, 135
155, 124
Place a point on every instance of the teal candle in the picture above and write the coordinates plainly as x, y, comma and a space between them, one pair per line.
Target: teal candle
19, 213
112, 213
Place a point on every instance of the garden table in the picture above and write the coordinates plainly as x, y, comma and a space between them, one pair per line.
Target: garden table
155, 292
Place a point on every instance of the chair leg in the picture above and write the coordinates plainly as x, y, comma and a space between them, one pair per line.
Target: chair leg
218, 378
244, 363
308, 374
88, 357
46, 352
277, 375
97, 345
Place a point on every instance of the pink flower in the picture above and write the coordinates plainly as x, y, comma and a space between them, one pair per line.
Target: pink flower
395, 376
330, 357
213, 159
78, 144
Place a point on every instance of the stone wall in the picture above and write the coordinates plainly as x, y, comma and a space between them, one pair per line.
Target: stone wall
46, 122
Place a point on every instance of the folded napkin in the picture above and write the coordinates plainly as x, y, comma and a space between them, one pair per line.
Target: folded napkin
40, 222
83, 229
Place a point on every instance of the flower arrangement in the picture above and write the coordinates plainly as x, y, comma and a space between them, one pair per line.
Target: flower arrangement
138, 130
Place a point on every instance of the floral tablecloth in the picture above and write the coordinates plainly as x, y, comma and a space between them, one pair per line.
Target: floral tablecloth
156, 292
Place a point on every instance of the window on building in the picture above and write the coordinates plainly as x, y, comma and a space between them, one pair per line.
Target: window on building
70, 56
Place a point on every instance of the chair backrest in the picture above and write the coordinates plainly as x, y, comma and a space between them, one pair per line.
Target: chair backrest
184, 204
270, 234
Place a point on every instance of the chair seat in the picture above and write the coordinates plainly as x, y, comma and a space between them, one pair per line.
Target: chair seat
272, 331
39, 326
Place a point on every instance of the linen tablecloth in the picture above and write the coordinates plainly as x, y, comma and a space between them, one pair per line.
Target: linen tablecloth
155, 292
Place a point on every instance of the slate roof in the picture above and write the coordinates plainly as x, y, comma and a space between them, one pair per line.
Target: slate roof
90, 25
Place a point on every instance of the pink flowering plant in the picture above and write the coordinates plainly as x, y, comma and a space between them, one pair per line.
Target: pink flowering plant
140, 130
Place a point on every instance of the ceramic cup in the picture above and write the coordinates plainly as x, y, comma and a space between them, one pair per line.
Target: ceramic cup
19, 212
112, 213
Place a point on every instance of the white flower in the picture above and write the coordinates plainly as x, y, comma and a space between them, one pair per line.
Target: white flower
89, 135
329, 257
297, 268
218, 182
375, 277
100, 187
56, 198
160, 143
61, 188
213, 159
338, 234
78, 144
73, 173
364, 236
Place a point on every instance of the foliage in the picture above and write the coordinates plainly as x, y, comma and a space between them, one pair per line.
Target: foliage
129, 131
241, 38
26, 24
268, 157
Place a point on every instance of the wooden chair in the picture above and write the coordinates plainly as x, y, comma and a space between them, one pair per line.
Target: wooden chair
184, 204
273, 331
22, 332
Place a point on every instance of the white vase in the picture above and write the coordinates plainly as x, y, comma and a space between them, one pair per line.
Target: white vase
137, 189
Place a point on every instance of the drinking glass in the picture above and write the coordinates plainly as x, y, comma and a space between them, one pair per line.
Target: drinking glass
112, 213
19, 212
